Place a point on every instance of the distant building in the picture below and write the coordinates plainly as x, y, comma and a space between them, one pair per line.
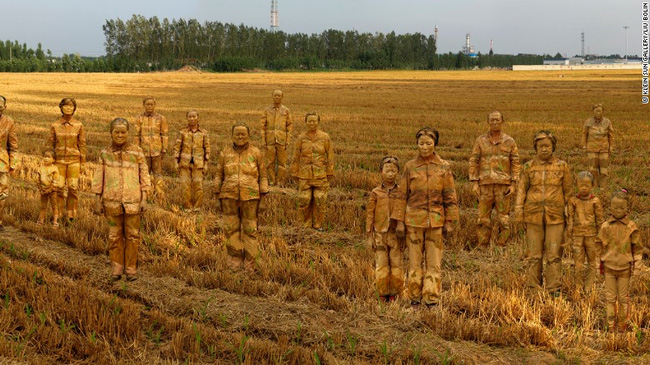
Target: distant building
557, 61
468, 49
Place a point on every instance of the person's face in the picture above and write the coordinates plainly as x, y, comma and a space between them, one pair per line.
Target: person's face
618, 208
48, 159
67, 109
312, 123
389, 173
584, 186
3, 106
277, 98
240, 136
495, 121
150, 106
120, 134
598, 113
544, 149
192, 119
426, 146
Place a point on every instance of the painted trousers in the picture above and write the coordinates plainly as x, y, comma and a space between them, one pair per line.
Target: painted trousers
4, 192
617, 289
69, 194
424, 284
389, 270
155, 170
585, 247
123, 241
52, 199
240, 225
544, 240
312, 201
276, 153
599, 166
492, 197
192, 186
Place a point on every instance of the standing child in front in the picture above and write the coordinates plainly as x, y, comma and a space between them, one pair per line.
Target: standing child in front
389, 273
191, 156
618, 240
48, 184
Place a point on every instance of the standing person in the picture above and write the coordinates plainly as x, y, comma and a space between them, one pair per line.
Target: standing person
48, 185
313, 166
389, 273
152, 135
241, 186
544, 189
68, 141
598, 141
276, 137
584, 218
8, 153
494, 172
121, 183
426, 204
191, 155
619, 242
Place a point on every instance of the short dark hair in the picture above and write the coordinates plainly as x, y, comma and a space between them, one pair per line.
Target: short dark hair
48, 152
117, 121
148, 97
240, 124
428, 131
586, 175
598, 105
65, 101
191, 111
3, 99
387, 160
543, 134
310, 114
620, 194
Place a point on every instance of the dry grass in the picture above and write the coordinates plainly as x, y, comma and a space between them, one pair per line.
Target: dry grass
312, 297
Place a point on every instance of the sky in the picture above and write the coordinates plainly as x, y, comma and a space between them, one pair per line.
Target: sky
514, 26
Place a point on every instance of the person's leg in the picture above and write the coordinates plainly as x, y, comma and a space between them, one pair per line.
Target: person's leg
232, 228
282, 164
4, 193
132, 233
433, 258
305, 201
271, 158
62, 195
594, 166
382, 268
610, 298
55, 208
249, 209
535, 244
319, 204
116, 243
415, 244
197, 188
552, 242
395, 263
43, 212
579, 261
158, 183
72, 180
502, 204
592, 262
186, 182
603, 164
623, 294
485, 204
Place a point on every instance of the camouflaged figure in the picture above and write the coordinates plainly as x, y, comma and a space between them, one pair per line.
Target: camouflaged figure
426, 203
191, 156
241, 185
598, 141
8, 154
276, 137
152, 135
584, 218
494, 172
313, 166
619, 241
48, 185
68, 141
544, 188
122, 183
389, 270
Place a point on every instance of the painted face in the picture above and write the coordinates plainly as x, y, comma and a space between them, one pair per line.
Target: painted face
150, 106
389, 173
120, 134
312, 123
544, 149
3, 106
598, 113
426, 145
584, 187
618, 208
240, 136
495, 120
192, 119
67, 109
48, 160
277, 97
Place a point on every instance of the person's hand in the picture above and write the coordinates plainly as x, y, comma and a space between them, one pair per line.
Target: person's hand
371, 241
602, 268
476, 189
511, 189
449, 227
143, 205
400, 230
262, 206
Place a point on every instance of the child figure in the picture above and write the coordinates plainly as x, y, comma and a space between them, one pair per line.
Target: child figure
389, 274
618, 240
585, 216
191, 156
48, 185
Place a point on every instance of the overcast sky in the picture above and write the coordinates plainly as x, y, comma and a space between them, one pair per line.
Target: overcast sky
515, 26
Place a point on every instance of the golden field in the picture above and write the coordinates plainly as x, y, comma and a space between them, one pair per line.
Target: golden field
312, 299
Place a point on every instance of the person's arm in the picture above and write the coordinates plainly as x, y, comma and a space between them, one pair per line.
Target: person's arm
474, 166
515, 169
12, 147
636, 249
219, 174
262, 173
585, 135
164, 135
370, 211
263, 124
571, 209
567, 182
599, 213
81, 143
289, 127
399, 209
138, 131
329, 150
610, 137
450, 201
178, 147
206, 149
51, 141
98, 184
295, 161
522, 191
145, 179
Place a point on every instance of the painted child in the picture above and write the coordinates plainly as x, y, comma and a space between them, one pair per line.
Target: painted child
48, 185
191, 156
619, 242
389, 273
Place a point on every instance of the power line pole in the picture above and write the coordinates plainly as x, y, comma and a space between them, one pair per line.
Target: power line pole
274, 16
626, 27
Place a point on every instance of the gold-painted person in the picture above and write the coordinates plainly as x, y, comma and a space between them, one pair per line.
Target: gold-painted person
191, 156
152, 135
276, 126
8, 154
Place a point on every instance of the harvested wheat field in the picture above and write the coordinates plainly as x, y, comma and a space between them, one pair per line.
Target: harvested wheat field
312, 299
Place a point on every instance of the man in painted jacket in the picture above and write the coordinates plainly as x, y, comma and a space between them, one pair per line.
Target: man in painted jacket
276, 137
494, 172
8, 152
152, 135
191, 156
241, 185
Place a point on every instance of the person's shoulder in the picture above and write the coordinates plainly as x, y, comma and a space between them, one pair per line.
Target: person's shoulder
376, 190
632, 225
134, 148
573, 200
508, 139
595, 200
322, 134
7, 119
589, 121
481, 138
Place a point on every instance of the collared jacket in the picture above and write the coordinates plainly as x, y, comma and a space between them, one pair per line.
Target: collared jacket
313, 157
598, 136
241, 175
494, 162
121, 179
380, 206
276, 126
152, 134
68, 141
192, 148
585, 216
426, 195
48, 179
544, 188
9, 142
619, 240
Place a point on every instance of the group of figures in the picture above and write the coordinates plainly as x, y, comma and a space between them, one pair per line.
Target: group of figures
414, 211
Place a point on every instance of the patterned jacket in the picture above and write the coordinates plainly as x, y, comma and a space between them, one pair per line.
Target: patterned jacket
494, 163
598, 136
192, 148
68, 141
619, 239
313, 158
121, 179
241, 175
9, 142
276, 126
585, 216
380, 206
152, 134
426, 195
